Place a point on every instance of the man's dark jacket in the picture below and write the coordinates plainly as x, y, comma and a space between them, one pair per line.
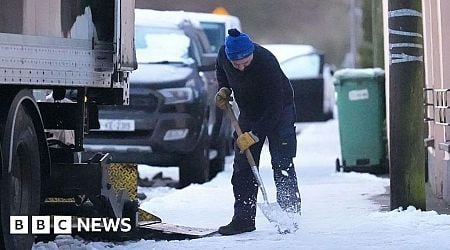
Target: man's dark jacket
261, 91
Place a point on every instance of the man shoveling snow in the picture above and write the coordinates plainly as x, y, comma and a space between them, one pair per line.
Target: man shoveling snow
265, 99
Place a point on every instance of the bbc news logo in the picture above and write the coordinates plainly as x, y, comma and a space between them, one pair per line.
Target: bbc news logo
63, 225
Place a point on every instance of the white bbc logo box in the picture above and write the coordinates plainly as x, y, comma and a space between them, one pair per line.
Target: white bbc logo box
18, 225
63, 224
40, 225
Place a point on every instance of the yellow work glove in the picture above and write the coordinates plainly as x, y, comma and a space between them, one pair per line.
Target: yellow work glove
245, 140
223, 97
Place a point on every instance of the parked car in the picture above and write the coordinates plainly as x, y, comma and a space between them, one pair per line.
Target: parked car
215, 26
311, 79
168, 121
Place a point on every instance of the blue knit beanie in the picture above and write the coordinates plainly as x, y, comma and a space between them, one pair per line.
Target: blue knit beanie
238, 45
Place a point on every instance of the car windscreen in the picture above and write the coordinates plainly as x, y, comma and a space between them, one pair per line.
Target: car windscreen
215, 32
162, 45
305, 66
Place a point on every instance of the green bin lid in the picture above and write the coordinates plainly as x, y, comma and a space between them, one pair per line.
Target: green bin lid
344, 74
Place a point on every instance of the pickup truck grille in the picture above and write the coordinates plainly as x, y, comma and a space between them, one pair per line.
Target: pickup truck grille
148, 103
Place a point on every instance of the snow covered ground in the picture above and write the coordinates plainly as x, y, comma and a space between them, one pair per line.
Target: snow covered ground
337, 209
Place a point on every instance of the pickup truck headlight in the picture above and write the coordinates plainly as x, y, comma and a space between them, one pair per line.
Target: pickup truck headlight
177, 95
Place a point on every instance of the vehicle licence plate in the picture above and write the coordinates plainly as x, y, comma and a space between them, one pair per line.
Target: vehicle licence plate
116, 125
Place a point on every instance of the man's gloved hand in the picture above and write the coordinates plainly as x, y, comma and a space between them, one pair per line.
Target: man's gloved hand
223, 97
246, 140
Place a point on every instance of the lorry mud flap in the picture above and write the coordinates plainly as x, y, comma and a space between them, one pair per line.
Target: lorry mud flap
150, 226
167, 231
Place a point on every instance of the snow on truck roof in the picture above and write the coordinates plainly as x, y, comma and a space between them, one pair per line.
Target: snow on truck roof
146, 16
161, 18
284, 52
230, 21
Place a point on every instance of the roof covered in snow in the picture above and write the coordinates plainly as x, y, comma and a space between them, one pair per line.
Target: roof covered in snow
284, 52
358, 73
166, 18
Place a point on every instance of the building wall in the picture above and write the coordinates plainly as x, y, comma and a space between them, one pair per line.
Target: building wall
436, 37
437, 76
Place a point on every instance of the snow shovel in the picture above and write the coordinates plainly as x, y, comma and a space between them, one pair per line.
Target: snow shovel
284, 221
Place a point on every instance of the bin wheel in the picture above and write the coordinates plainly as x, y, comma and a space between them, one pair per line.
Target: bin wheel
338, 165
345, 169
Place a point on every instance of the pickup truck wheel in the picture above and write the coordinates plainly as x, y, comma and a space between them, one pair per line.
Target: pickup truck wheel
194, 168
21, 185
328, 115
218, 163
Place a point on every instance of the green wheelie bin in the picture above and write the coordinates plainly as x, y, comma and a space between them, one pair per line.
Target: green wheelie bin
362, 120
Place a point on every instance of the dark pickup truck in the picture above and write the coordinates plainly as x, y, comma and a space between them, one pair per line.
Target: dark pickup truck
171, 119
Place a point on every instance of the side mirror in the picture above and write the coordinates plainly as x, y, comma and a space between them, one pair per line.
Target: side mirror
208, 62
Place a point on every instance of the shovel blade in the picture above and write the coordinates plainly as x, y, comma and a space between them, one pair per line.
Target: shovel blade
285, 222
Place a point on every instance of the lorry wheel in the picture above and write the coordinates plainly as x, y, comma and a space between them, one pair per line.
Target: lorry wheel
20, 185
2, 242
194, 168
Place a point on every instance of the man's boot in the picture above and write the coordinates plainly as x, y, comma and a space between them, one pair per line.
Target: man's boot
237, 227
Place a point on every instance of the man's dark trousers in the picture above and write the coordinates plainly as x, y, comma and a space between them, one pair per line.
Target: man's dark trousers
282, 147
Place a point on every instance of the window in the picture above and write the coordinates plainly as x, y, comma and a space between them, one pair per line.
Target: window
160, 44
306, 66
215, 33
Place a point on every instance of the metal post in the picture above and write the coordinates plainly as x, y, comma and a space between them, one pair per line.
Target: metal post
353, 49
377, 34
405, 109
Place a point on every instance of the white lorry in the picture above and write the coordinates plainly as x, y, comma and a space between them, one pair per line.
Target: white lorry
84, 48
